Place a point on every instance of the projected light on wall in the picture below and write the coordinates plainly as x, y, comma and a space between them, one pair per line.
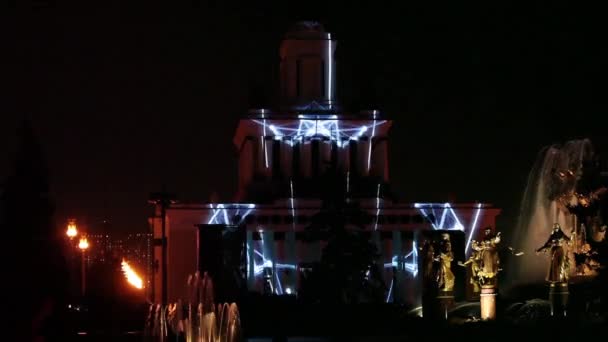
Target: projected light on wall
443, 217
225, 213
330, 127
407, 262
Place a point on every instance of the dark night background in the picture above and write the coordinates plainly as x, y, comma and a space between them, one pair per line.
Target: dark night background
126, 97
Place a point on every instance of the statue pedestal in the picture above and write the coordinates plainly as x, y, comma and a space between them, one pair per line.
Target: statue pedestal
558, 296
487, 301
437, 305
444, 302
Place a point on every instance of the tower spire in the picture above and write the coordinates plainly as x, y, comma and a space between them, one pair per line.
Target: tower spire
308, 68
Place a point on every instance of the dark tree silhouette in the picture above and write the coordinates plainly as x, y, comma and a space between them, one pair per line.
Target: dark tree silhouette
33, 249
348, 270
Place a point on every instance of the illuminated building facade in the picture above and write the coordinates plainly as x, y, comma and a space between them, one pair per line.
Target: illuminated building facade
285, 157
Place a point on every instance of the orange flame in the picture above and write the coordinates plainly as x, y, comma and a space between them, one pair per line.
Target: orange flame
72, 230
83, 244
132, 277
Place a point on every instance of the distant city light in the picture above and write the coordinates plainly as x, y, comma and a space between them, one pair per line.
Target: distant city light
132, 277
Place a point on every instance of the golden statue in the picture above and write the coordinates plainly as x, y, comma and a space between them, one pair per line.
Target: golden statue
484, 260
488, 255
560, 265
445, 277
475, 262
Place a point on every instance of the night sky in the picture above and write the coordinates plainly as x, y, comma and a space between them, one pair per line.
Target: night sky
124, 98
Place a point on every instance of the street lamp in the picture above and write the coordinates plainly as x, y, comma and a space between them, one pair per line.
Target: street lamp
83, 245
163, 200
71, 232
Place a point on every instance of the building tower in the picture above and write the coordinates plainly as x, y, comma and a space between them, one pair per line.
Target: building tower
310, 135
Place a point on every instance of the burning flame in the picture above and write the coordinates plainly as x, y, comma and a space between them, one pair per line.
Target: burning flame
132, 277
83, 244
71, 232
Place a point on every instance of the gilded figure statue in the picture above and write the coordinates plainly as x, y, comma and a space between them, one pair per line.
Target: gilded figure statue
445, 256
559, 265
484, 260
488, 255
475, 262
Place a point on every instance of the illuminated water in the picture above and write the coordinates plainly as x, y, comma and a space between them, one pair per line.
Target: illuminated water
540, 208
197, 318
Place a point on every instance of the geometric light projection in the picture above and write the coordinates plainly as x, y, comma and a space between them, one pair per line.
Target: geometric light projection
328, 127
443, 217
225, 213
407, 263
261, 262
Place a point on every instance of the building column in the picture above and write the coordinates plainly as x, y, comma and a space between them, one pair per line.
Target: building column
324, 154
251, 262
306, 158
363, 154
398, 276
290, 248
270, 254
286, 158
379, 160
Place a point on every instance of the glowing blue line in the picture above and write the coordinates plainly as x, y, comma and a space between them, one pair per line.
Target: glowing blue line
390, 290
279, 287
473, 227
226, 221
263, 249
245, 215
299, 131
308, 127
460, 226
293, 210
329, 58
274, 130
337, 130
435, 216
248, 262
264, 141
285, 266
442, 221
415, 251
259, 269
427, 217
362, 130
371, 141
265, 152
377, 206
215, 213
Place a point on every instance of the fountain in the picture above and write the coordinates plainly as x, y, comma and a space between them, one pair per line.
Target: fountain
198, 319
553, 189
